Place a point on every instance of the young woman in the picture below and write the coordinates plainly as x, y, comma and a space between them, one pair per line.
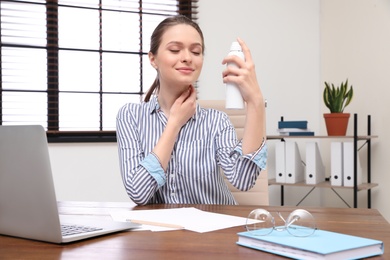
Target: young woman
170, 149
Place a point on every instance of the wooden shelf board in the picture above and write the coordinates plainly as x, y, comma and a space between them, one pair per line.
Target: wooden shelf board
324, 184
360, 137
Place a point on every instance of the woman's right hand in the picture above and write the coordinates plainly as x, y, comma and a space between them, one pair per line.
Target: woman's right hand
183, 108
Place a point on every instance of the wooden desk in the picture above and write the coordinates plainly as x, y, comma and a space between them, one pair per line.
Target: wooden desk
183, 244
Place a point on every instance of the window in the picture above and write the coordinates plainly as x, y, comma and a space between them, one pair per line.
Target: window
69, 65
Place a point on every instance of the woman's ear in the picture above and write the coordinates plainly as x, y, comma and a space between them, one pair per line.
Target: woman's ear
152, 60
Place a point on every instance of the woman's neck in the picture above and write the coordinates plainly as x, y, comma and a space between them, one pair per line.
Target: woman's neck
167, 96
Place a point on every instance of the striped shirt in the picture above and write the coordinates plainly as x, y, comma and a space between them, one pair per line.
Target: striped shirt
205, 144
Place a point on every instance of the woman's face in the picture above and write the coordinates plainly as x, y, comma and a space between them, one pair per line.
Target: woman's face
179, 58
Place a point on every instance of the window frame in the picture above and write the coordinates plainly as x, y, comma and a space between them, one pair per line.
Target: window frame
54, 135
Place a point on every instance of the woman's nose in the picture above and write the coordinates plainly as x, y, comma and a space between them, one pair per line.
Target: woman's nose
186, 56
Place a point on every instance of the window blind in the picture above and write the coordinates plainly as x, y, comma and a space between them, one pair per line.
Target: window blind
69, 65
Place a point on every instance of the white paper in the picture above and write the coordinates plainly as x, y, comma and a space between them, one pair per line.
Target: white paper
124, 216
190, 218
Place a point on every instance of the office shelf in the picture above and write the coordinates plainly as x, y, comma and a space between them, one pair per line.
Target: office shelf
326, 184
359, 138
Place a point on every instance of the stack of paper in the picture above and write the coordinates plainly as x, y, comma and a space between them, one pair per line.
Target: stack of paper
179, 218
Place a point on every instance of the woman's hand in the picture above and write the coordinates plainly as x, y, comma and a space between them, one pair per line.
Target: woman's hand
184, 107
244, 75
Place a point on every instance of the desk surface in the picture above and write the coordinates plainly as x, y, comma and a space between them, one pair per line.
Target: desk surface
183, 244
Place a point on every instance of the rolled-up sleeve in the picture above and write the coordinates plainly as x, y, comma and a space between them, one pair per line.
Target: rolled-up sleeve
259, 157
153, 166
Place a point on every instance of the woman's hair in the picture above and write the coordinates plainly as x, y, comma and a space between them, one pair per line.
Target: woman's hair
155, 41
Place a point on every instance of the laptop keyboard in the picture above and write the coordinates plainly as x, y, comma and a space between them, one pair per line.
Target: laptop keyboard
68, 230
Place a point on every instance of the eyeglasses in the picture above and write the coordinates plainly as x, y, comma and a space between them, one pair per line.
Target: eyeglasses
299, 223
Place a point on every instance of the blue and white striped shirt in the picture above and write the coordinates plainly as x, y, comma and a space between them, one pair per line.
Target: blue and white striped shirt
205, 144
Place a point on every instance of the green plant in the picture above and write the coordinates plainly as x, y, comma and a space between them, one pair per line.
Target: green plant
337, 98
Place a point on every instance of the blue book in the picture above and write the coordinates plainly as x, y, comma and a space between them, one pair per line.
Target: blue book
321, 245
308, 133
292, 124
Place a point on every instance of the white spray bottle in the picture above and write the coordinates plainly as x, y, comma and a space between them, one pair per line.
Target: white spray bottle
234, 99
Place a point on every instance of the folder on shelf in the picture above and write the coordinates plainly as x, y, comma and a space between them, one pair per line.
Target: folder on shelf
315, 168
336, 164
348, 165
280, 162
294, 167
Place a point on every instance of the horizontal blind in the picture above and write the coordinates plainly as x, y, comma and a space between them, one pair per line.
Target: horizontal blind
69, 65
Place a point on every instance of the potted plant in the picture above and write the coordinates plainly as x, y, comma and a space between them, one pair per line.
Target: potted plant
336, 99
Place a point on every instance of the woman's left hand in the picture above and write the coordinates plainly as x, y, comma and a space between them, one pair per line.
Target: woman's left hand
244, 75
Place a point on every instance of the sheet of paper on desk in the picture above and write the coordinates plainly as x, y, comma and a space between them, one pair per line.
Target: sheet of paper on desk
124, 216
190, 218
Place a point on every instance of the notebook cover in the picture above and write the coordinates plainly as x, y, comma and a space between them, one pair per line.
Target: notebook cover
324, 244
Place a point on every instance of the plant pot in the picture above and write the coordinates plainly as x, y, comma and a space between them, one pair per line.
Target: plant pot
336, 123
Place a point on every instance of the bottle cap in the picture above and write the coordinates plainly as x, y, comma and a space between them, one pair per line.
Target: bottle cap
235, 46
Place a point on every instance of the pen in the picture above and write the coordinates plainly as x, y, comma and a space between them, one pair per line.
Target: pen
152, 223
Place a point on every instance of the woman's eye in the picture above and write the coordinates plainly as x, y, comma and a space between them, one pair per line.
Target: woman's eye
196, 52
174, 51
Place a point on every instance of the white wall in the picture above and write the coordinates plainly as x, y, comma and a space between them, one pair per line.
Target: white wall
355, 44
296, 45
87, 172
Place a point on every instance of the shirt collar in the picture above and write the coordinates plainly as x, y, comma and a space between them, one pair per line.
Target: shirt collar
198, 112
154, 106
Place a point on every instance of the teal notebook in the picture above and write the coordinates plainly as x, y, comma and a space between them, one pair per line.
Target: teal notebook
321, 245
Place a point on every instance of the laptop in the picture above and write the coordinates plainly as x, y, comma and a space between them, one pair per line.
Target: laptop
28, 205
